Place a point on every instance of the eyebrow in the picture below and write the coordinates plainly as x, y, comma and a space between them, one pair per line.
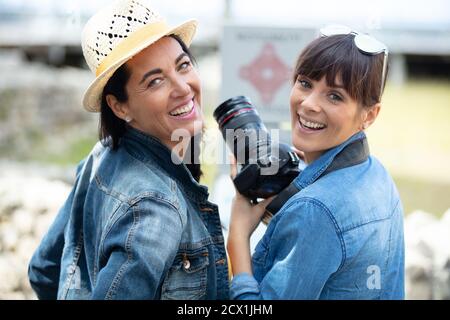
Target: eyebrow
336, 86
181, 56
333, 86
158, 70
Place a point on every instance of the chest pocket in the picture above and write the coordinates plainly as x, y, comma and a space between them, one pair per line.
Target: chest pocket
187, 278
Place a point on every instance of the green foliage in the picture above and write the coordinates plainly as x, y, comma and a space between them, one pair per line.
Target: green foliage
72, 153
412, 139
426, 195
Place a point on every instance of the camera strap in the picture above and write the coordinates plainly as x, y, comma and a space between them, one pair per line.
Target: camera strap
354, 153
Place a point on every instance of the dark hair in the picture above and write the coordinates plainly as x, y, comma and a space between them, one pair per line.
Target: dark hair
338, 56
111, 127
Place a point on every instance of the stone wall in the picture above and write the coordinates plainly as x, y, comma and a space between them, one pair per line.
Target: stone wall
29, 200
427, 241
40, 109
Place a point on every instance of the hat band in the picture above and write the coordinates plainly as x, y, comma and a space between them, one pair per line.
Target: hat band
131, 42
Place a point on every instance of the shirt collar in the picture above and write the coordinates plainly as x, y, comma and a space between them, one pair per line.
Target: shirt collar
315, 169
148, 148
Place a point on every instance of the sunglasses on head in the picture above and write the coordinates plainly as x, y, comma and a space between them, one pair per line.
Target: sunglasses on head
364, 42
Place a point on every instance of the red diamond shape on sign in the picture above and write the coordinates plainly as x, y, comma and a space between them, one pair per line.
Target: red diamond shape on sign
267, 73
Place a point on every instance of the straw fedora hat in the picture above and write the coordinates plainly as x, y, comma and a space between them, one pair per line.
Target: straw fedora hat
118, 32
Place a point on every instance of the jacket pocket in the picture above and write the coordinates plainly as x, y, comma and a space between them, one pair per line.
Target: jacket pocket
187, 278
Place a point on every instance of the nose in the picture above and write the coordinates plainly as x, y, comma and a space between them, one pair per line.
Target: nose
311, 103
180, 86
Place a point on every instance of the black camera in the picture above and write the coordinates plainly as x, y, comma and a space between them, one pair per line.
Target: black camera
266, 167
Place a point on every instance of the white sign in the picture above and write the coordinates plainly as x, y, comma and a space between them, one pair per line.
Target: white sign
258, 62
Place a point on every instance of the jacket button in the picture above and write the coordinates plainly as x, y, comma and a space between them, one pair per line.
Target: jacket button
186, 264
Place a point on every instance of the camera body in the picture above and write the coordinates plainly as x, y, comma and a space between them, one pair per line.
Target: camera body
266, 167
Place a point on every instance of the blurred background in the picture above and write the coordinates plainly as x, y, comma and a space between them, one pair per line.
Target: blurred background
44, 131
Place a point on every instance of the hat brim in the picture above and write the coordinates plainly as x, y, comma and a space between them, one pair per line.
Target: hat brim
93, 94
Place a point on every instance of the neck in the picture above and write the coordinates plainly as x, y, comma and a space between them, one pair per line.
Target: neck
311, 156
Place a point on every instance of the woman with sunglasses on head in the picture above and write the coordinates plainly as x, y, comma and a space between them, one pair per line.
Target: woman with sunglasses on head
340, 234
137, 224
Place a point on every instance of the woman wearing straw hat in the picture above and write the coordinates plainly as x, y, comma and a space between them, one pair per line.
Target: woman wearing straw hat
137, 224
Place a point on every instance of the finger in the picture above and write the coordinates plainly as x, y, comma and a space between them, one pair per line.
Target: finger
233, 167
264, 203
300, 154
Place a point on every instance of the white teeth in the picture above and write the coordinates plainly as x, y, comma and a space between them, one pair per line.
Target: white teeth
311, 125
184, 109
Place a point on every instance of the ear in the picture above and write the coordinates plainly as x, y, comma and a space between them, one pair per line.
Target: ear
120, 109
369, 115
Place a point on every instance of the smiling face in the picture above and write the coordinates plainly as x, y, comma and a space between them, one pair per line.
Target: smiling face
322, 117
336, 93
164, 92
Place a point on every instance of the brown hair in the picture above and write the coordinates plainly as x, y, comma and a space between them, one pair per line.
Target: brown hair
337, 56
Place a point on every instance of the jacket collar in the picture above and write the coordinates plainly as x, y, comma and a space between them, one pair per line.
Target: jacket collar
315, 169
148, 148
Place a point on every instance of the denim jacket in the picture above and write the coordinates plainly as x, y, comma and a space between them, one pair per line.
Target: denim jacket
339, 237
135, 226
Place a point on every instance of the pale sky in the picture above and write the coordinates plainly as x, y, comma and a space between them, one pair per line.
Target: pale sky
409, 12
372, 14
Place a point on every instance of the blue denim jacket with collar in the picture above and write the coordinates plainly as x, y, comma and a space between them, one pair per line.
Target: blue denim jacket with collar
135, 226
339, 237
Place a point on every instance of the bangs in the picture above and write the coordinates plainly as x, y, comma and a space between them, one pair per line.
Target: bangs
343, 65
